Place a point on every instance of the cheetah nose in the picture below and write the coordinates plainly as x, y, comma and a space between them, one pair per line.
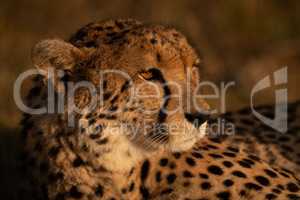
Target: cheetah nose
197, 119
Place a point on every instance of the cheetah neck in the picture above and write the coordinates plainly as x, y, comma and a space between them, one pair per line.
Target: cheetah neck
122, 155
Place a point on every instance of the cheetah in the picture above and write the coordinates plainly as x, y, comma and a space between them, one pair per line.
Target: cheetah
257, 138
101, 157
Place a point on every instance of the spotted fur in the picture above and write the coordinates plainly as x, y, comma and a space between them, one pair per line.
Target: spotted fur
88, 162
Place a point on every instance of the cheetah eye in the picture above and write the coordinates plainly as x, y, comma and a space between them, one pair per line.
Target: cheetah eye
145, 74
152, 74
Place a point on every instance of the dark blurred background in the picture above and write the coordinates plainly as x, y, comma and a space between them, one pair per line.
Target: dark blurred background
241, 41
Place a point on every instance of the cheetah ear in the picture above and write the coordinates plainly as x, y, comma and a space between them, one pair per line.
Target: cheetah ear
54, 57
56, 54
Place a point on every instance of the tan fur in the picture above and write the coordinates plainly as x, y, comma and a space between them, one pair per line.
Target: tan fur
110, 162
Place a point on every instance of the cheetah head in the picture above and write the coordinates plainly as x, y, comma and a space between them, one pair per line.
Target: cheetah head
132, 81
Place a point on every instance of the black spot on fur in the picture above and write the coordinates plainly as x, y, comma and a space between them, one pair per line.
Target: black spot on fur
172, 165
227, 164
288, 171
158, 176
163, 162
262, 180
190, 161
210, 146
171, 178
271, 196
284, 174
276, 191
106, 95
292, 187
280, 187
271, 173
197, 155
145, 193
186, 184
215, 156
223, 195
215, 170
248, 161
253, 186
124, 190
239, 174
114, 99
242, 193
158, 57
145, 170
244, 164
253, 157
125, 86
101, 116
187, 174
229, 154
228, 183
293, 197
204, 176
235, 150
205, 185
